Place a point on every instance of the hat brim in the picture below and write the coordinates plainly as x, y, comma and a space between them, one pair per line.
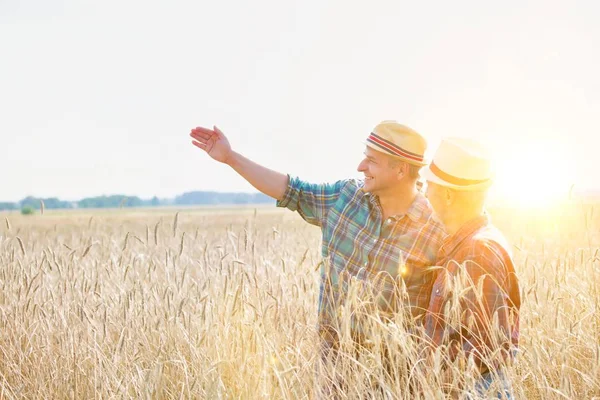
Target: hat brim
429, 176
408, 160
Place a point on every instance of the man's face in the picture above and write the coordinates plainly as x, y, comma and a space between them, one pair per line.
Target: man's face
379, 174
437, 196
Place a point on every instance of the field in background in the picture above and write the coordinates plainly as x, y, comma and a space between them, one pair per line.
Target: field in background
222, 303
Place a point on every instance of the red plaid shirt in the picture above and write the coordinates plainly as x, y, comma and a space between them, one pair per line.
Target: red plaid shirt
475, 300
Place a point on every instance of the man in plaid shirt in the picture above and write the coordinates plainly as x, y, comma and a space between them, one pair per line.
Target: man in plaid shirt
379, 232
474, 305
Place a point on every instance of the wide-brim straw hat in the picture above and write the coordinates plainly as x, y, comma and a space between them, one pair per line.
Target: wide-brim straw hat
398, 141
460, 164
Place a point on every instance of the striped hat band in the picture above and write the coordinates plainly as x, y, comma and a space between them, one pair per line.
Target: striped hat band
392, 148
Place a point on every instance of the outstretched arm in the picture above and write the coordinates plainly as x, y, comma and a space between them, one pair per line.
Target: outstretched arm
216, 145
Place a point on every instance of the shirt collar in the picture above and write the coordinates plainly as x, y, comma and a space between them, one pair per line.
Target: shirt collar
467, 230
414, 212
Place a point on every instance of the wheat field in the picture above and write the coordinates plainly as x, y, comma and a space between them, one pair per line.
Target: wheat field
222, 303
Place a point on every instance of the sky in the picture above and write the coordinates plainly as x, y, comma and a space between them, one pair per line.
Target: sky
98, 97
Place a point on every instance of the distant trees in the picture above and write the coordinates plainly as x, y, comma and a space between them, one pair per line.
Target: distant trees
49, 203
155, 201
27, 210
8, 206
34, 203
116, 201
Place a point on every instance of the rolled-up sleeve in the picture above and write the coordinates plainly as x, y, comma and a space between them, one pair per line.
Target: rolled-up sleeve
312, 201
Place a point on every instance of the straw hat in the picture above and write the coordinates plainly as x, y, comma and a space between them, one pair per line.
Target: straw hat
399, 141
461, 164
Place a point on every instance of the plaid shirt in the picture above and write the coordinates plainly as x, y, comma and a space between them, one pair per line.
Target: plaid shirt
475, 300
358, 245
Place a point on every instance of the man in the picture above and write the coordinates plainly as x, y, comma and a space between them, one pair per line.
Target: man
474, 305
378, 231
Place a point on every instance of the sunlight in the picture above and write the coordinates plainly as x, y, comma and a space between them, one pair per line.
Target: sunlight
533, 175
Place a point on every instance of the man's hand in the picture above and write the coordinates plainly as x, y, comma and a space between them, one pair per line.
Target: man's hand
213, 141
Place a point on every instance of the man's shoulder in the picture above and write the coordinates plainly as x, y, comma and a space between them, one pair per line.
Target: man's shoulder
348, 184
352, 183
489, 248
345, 191
490, 237
351, 187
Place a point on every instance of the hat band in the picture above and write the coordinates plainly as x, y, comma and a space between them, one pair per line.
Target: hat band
392, 148
453, 179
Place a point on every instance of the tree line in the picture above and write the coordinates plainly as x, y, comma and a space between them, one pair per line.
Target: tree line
117, 201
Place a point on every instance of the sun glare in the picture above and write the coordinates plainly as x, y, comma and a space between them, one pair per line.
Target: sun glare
536, 175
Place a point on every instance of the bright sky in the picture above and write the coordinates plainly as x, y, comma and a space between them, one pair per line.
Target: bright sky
98, 97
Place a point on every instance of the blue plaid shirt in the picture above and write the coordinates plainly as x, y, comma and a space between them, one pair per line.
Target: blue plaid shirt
358, 243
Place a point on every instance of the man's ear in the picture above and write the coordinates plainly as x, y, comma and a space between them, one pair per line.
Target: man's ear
449, 196
402, 170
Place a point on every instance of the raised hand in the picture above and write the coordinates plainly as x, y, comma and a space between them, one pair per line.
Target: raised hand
213, 142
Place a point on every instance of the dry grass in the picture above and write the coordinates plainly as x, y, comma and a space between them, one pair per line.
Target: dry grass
222, 304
